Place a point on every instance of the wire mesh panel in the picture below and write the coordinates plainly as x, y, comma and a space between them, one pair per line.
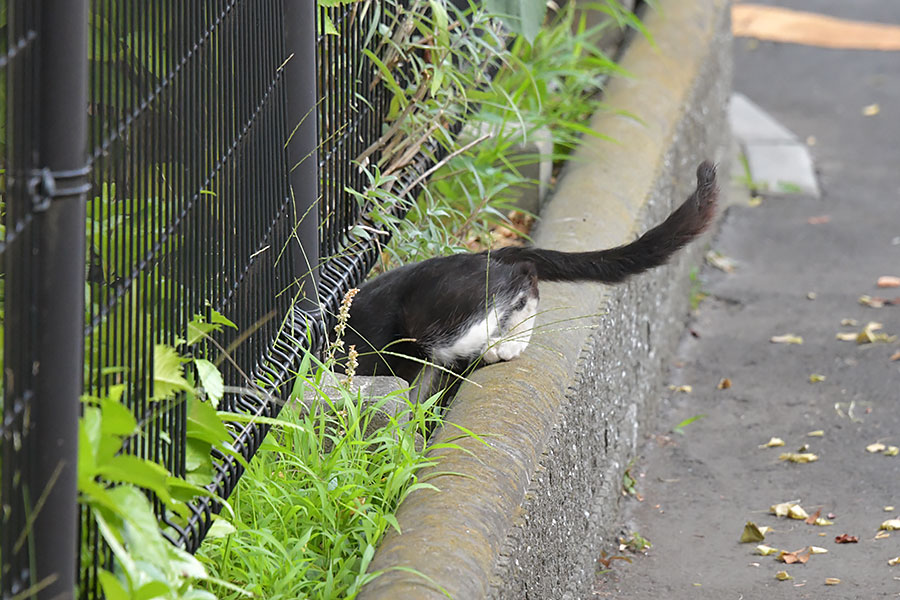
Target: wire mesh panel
18, 240
188, 217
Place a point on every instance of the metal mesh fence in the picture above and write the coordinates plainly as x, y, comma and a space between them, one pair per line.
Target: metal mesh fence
189, 213
188, 202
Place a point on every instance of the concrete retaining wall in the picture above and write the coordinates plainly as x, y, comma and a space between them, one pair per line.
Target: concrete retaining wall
524, 511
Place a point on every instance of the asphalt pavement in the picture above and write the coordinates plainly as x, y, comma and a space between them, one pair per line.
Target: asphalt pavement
801, 263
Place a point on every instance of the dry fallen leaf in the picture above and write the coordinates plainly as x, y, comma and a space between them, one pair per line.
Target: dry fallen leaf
889, 508
686, 389
876, 447
720, 261
888, 281
816, 378
819, 220
823, 522
787, 338
878, 301
882, 535
724, 384
797, 556
817, 550
846, 337
871, 110
846, 538
832, 581
766, 550
782, 576
751, 533
894, 561
798, 457
895, 355
773, 443
788, 509
816, 433
811, 519
891, 451
849, 322
890, 525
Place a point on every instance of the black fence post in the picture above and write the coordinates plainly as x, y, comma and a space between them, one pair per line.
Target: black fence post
59, 188
300, 78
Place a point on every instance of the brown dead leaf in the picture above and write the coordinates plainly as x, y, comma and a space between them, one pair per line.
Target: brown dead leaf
797, 556
888, 281
846, 538
724, 384
895, 355
606, 560
878, 301
798, 27
819, 220
811, 519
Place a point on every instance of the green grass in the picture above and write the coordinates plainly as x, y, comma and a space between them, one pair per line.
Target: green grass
318, 496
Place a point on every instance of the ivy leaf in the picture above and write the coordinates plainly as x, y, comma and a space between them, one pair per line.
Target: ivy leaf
523, 17
168, 375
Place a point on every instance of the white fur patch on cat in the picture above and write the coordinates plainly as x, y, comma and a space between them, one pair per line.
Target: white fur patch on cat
487, 339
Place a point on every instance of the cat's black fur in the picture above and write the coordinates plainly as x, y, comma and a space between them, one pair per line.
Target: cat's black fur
422, 312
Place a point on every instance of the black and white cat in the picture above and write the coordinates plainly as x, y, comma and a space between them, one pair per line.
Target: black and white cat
451, 311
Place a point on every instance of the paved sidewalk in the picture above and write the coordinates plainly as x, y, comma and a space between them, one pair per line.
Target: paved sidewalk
802, 263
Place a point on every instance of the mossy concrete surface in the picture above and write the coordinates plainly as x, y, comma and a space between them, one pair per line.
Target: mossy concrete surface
527, 499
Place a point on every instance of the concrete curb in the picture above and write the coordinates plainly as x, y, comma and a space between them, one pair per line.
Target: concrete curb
524, 510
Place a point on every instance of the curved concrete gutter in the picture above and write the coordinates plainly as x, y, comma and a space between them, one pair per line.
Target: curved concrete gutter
525, 512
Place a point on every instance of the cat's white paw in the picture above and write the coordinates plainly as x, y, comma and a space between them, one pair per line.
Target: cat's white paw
491, 355
511, 349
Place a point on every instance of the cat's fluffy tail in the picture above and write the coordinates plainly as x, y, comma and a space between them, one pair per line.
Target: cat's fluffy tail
648, 251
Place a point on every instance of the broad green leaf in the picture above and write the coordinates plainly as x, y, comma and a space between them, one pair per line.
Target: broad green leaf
220, 528
117, 420
112, 587
204, 424
198, 329
217, 318
211, 380
154, 589
142, 537
523, 17
168, 375
125, 468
